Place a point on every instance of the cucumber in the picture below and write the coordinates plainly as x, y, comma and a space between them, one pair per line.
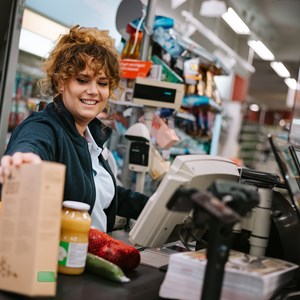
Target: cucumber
104, 268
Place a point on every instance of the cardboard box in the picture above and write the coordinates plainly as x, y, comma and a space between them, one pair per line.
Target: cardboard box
30, 221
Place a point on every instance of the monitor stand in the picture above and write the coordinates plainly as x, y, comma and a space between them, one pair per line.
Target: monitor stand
221, 217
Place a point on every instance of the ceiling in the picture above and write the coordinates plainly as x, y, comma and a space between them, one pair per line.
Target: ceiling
277, 23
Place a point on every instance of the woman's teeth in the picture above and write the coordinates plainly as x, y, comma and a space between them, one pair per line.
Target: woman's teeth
88, 102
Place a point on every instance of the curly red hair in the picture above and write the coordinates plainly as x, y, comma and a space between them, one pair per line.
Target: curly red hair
75, 50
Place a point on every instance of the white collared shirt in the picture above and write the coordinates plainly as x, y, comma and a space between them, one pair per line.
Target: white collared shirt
105, 189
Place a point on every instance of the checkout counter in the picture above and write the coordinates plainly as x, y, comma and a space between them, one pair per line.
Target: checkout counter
145, 283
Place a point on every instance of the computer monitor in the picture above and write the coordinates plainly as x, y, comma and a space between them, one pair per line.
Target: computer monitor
156, 223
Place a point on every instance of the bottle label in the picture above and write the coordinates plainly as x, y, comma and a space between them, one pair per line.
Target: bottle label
72, 254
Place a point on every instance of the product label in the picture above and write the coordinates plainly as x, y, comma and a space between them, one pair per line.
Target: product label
44, 276
72, 254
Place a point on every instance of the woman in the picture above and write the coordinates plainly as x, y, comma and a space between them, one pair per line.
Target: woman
82, 72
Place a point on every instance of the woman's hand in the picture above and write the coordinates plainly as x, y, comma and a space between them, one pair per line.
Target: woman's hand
16, 160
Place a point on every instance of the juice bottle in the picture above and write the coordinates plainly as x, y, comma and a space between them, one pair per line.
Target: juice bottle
132, 47
75, 226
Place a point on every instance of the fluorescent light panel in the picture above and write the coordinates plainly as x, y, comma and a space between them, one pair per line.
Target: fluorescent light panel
212, 8
33, 43
38, 33
42, 26
176, 3
235, 22
280, 69
291, 83
261, 50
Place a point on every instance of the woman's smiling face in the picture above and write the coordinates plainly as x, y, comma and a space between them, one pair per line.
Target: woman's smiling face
85, 96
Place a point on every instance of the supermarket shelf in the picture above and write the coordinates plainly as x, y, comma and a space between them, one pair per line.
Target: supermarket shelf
195, 101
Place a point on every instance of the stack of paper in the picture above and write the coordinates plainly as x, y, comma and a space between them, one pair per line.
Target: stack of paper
246, 277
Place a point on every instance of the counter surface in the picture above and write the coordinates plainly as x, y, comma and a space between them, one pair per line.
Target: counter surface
145, 283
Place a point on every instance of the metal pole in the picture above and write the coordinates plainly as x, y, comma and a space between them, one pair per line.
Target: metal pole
148, 29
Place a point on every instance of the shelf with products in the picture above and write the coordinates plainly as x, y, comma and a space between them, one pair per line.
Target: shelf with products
190, 101
201, 101
203, 125
197, 67
263, 156
26, 97
199, 51
198, 122
255, 148
248, 140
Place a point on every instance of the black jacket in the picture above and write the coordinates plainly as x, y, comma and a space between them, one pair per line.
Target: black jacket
52, 135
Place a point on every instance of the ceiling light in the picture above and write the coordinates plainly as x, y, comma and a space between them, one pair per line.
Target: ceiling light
291, 83
217, 41
42, 45
39, 31
290, 99
280, 69
176, 3
254, 107
212, 8
42, 26
235, 22
261, 50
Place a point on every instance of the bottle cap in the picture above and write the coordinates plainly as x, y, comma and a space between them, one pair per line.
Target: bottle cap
76, 205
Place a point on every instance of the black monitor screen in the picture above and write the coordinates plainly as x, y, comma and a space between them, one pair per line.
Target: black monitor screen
154, 93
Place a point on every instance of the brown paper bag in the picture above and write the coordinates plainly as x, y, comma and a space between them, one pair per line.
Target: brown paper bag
30, 221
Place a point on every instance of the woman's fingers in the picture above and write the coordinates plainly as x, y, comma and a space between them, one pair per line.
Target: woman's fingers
5, 164
17, 159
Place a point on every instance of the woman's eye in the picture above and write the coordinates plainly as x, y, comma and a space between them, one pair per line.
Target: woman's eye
103, 83
81, 80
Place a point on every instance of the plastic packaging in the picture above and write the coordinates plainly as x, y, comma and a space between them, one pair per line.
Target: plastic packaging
75, 227
159, 21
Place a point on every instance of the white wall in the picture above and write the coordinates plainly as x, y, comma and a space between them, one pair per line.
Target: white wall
90, 13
